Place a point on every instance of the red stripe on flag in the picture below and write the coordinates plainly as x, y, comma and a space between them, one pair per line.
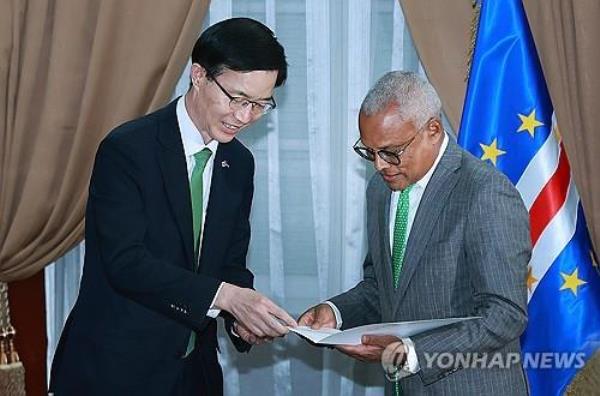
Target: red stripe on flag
551, 198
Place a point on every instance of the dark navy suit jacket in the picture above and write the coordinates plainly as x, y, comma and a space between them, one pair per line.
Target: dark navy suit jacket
139, 295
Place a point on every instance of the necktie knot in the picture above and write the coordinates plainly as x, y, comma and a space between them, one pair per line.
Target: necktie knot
406, 191
202, 158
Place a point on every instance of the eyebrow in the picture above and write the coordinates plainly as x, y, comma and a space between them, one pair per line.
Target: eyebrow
400, 146
245, 95
394, 147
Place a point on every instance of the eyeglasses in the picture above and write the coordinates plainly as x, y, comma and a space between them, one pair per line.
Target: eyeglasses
239, 103
392, 157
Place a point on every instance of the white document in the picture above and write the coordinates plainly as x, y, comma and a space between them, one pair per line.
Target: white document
354, 335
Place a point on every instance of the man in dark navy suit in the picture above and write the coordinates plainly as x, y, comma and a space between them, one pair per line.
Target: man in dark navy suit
167, 232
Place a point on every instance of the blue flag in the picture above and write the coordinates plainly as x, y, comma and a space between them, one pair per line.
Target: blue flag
508, 121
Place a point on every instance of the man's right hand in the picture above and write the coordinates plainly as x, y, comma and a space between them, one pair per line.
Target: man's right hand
254, 311
319, 316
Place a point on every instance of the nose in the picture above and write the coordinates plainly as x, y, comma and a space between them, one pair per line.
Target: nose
380, 164
244, 115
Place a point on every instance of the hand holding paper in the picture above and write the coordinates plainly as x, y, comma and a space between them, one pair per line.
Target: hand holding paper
259, 315
318, 317
371, 349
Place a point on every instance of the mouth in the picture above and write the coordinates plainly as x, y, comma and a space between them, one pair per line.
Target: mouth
231, 128
390, 178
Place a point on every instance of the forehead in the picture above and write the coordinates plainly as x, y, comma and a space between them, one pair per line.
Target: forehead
384, 129
257, 84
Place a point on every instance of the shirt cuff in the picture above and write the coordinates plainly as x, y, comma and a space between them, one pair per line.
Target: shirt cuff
214, 312
411, 365
337, 313
233, 332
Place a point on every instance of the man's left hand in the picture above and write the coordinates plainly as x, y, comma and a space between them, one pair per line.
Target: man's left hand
371, 348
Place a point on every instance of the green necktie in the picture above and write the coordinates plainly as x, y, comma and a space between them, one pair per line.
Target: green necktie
400, 233
197, 196
399, 246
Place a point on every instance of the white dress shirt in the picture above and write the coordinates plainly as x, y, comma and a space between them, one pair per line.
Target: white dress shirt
192, 143
411, 365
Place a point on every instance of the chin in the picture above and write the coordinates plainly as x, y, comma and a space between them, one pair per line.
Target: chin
398, 185
224, 137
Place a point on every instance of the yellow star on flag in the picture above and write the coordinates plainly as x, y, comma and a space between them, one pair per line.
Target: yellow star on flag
491, 151
572, 281
529, 123
530, 278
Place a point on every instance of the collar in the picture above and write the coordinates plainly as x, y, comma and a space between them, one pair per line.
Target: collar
190, 135
422, 183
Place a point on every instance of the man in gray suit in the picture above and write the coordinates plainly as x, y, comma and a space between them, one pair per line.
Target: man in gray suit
448, 236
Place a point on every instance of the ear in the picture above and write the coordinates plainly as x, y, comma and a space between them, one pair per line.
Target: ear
435, 129
197, 74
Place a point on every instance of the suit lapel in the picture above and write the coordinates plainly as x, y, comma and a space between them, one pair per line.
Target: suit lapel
434, 199
217, 186
383, 214
175, 178
220, 203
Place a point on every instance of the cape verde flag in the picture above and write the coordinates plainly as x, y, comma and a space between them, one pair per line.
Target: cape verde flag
508, 121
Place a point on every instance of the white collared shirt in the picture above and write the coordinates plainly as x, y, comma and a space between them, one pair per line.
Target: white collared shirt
414, 196
193, 142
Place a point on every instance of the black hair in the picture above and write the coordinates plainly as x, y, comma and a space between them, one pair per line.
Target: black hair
240, 44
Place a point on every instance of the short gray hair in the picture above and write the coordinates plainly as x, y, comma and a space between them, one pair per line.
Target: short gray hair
415, 98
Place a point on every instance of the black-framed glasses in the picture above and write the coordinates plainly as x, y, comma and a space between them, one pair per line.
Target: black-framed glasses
239, 103
392, 157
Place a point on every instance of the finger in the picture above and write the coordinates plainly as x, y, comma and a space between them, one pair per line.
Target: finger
245, 334
317, 324
249, 337
359, 353
307, 318
276, 329
256, 328
349, 349
282, 315
381, 341
270, 326
320, 322
361, 350
242, 331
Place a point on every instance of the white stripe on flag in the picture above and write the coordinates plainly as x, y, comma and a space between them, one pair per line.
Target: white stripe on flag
555, 237
539, 171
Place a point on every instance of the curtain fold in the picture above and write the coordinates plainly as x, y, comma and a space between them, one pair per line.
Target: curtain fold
69, 72
441, 31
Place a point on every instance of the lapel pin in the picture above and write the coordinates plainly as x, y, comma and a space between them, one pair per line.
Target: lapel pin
224, 164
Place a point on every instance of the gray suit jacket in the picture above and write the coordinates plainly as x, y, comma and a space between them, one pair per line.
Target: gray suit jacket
466, 255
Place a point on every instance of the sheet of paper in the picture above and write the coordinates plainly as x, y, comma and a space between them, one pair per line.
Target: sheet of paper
353, 336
